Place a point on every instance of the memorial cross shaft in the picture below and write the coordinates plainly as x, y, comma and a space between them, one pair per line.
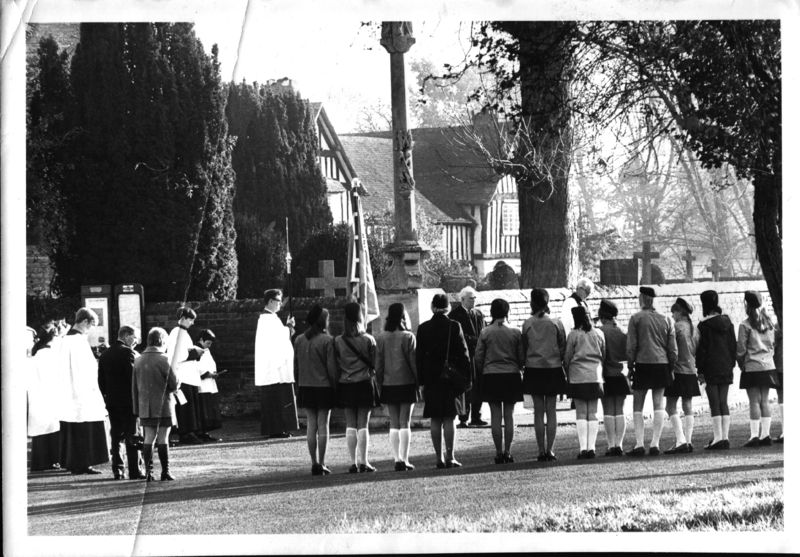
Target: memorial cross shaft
646, 255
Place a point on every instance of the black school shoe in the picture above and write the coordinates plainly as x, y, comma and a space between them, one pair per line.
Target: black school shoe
590, 453
353, 469
551, 456
654, 451
582, 455
753, 442
636, 451
765, 442
542, 457
452, 464
366, 468
779, 440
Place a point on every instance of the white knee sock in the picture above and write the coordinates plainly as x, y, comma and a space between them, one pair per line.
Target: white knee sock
689, 428
716, 425
620, 429
753, 428
363, 445
394, 443
658, 427
726, 426
610, 425
677, 427
591, 430
638, 428
583, 433
351, 435
405, 443
766, 421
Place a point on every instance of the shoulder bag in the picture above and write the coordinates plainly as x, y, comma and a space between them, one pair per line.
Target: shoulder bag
450, 375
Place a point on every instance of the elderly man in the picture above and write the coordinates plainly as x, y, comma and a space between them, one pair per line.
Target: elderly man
472, 323
652, 351
274, 369
115, 375
583, 290
83, 432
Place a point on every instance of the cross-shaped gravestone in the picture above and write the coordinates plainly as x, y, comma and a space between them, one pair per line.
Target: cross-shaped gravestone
646, 256
327, 282
715, 269
689, 268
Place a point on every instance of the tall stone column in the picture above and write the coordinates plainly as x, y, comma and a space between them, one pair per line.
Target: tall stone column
407, 270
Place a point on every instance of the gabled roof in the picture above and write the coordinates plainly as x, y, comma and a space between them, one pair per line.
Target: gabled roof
447, 171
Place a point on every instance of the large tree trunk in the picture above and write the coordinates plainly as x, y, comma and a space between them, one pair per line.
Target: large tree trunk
769, 246
548, 226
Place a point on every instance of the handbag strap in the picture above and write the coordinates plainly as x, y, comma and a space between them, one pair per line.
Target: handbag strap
357, 352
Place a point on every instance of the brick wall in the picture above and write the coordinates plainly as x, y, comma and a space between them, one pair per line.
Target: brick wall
39, 273
731, 299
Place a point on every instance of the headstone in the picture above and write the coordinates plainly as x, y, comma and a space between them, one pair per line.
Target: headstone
503, 277
689, 267
715, 268
619, 271
646, 255
327, 282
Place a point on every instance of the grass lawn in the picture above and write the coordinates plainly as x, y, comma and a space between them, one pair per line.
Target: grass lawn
248, 485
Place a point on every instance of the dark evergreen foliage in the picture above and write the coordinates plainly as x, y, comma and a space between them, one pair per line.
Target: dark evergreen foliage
149, 192
277, 176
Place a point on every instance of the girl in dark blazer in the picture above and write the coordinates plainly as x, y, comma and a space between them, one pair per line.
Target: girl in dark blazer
154, 384
715, 358
438, 339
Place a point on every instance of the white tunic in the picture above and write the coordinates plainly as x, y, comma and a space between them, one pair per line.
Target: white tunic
82, 400
274, 354
43, 399
178, 344
207, 363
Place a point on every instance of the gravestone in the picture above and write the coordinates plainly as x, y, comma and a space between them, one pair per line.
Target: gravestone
715, 268
646, 255
689, 267
502, 277
619, 271
327, 282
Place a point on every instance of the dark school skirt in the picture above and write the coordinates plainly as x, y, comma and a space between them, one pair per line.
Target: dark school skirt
399, 394
651, 376
361, 394
210, 417
780, 381
767, 378
188, 414
585, 391
440, 402
278, 410
45, 451
315, 398
83, 444
501, 387
685, 385
544, 381
616, 385
164, 421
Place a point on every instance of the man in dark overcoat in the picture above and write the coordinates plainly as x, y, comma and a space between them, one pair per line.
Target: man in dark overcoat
115, 371
472, 323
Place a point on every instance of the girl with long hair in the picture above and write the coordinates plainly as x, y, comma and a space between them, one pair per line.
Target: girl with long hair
396, 372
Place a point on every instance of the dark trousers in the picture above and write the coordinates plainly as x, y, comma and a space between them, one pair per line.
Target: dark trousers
469, 405
123, 431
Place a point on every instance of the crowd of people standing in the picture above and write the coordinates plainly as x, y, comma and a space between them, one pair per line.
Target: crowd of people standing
455, 362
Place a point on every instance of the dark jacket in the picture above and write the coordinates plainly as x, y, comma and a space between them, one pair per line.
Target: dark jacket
716, 350
472, 323
432, 337
114, 375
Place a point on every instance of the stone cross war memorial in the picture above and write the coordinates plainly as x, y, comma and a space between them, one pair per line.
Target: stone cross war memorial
214, 195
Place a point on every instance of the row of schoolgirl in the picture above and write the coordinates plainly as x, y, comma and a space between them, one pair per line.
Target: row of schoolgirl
667, 355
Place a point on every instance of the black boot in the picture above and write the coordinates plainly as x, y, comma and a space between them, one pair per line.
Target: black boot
117, 467
134, 472
147, 453
163, 457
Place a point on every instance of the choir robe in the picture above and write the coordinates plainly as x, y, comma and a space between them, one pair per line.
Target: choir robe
274, 375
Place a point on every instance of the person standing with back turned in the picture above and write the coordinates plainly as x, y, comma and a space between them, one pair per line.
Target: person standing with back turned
472, 323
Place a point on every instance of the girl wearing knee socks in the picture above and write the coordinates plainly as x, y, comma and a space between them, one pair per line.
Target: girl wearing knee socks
498, 361
755, 351
396, 372
315, 375
684, 385
615, 385
583, 359
715, 358
355, 353
544, 341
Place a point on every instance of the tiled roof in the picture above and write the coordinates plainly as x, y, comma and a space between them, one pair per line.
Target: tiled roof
446, 170
372, 159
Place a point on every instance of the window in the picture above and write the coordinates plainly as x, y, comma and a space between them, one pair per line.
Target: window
510, 218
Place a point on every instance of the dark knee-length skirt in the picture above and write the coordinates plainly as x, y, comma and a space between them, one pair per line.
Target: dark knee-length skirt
616, 385
440, 402
316, 398
544, 381
361, 394
767, 378
501, 387
399, 394
651, 376
684, 385
585, 391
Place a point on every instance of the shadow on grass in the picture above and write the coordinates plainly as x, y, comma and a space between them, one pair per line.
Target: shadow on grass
720, 487
720, 470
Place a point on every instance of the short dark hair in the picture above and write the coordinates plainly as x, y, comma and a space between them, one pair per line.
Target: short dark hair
186, 312
498, 309
124, 331
208, 334
86, 313
270, 294
156, 337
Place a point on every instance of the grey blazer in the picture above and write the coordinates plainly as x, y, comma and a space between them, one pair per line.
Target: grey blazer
154, 381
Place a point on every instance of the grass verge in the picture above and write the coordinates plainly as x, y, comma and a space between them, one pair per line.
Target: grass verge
757, 506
